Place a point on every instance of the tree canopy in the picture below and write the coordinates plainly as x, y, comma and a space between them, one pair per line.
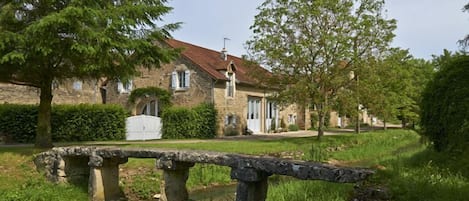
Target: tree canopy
46, 41
312, 47
445, 104
391, 88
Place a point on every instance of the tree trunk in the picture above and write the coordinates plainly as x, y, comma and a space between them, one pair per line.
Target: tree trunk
357, 125
384, 125
43, 131
321, 117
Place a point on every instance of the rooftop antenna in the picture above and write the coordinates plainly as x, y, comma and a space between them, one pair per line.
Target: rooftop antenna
224, 42
224, 56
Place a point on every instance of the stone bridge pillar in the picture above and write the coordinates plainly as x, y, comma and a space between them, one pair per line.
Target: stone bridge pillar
173, 187
103, 182
252, 184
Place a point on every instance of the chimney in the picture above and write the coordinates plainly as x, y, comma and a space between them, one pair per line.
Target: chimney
224, 54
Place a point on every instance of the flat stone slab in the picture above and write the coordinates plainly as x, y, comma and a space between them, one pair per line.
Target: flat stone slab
270, 165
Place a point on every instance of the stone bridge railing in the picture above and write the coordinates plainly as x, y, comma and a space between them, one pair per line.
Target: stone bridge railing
100, 167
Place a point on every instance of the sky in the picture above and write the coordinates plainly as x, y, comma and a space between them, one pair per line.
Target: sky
425, 27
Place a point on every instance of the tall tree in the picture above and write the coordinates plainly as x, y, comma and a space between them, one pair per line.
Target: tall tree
392, 88
312, 46
46, 41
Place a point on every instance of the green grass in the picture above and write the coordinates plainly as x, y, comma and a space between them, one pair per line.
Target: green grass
20, 180
409, 169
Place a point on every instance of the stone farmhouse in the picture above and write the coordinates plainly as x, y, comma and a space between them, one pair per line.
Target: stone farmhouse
199, 75
203, 75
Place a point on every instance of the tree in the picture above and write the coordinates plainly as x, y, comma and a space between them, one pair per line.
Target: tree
312, 46
46, 41
392, 87
445, 105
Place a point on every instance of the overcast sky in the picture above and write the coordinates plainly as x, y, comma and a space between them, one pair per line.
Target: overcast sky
425, 27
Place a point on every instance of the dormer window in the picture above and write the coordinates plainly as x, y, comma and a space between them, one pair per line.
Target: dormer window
180, 80
231, 80
230, 84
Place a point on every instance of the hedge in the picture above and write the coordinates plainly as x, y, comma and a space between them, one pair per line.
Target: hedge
445, 106
183, 123
70, 123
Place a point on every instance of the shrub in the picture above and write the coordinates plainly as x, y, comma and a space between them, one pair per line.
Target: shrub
178, 123
293, 127
445, 105
69, 122
206, 120
181, 123
230, 130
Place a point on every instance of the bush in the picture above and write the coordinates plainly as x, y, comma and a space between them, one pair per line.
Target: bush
445, 105
206, 120
230, 130
293, 127
182, 123
69, 122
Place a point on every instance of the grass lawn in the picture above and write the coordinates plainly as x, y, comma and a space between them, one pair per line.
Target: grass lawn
406, 167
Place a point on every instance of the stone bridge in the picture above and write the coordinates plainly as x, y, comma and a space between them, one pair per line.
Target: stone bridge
100, 167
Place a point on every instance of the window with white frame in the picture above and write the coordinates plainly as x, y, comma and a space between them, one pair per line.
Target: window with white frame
230, 119
230, 84
151, 108
180, 80
124, 87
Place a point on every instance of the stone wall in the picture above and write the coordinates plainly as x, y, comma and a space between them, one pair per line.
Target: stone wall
198, 92
63, 92
238, 106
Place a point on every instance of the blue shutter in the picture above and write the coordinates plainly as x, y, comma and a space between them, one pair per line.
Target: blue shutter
187, 76
174, 79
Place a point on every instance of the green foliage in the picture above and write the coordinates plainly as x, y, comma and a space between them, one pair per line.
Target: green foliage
181, 123
293, 127
390, 88
230, 130
164, 97
445, 105
314, 118
207, 120
46, 41
313, 46
309, 190
70, 123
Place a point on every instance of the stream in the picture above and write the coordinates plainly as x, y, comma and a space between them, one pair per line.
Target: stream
219, 193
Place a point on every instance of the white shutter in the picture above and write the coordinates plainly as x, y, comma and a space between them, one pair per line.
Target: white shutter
174, 79
226, 120
120, 86
129, 86
234, 119
187, 76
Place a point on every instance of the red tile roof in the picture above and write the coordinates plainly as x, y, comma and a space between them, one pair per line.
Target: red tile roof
211, 62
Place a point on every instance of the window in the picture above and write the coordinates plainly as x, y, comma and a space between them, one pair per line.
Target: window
151, 109
230, 84
180, 80
77, 85
230, 119
291, 119
124, 87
